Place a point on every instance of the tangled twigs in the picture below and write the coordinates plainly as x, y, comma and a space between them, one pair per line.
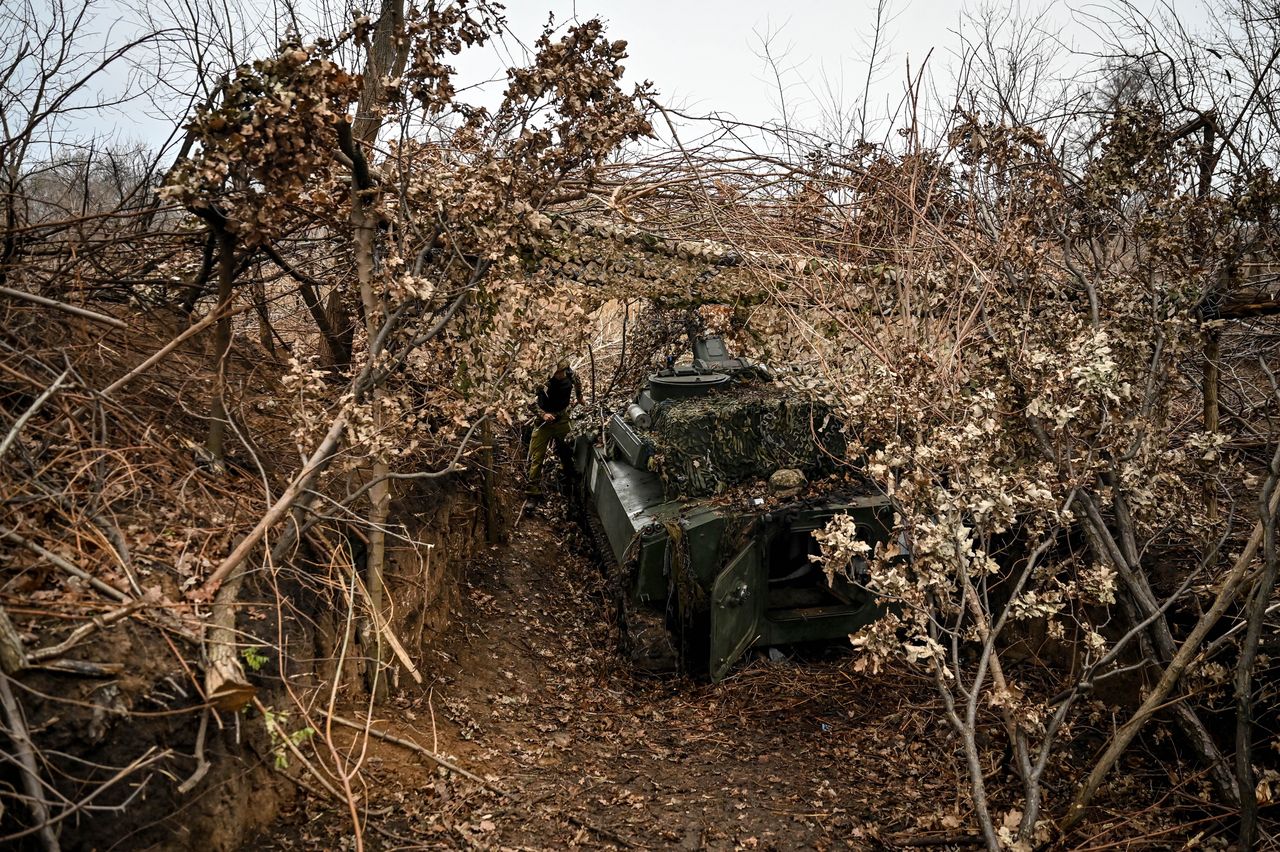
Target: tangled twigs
151, 756
957, 838
283, 737
62, 306
159, 354
346, 796
318, 461
96, 623
58, 562
30, 412
14, 657
26, 762
1227, 590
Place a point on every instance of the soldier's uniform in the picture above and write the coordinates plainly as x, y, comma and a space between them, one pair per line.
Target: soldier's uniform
554, 398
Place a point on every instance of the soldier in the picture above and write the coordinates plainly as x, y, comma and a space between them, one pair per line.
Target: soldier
555, 398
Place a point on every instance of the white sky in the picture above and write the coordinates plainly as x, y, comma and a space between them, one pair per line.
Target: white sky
707, 55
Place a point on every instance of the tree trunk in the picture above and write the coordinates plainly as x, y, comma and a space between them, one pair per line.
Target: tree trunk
386, 57
380, 492
225, 684
214, 444
335, 346
1254, 615
1211, 349
1212, 352
266, 334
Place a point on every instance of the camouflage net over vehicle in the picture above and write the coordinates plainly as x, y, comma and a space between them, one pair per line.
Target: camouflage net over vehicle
709, 443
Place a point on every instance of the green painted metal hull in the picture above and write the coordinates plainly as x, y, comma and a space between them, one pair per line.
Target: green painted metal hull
725, 577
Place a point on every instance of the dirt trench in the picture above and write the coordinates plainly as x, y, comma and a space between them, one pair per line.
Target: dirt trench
526, 691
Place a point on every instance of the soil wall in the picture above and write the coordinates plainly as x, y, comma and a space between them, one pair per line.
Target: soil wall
149, 717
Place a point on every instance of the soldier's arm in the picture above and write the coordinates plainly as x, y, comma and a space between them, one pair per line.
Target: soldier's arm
577, 386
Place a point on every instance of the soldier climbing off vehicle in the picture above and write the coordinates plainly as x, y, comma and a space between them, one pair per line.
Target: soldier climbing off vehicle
555, 399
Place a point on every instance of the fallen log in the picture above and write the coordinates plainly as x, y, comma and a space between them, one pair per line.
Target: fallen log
225, 684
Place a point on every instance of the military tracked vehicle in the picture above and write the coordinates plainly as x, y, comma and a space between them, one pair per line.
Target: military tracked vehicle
703, 494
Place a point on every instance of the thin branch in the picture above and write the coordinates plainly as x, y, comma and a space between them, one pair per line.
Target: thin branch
62, 306
30, 412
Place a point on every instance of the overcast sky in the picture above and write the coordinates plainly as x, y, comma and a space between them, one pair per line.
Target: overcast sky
710, 55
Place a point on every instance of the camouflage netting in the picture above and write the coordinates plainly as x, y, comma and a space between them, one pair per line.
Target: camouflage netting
707, 444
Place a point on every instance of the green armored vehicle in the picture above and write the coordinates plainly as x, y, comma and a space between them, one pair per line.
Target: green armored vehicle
704, 494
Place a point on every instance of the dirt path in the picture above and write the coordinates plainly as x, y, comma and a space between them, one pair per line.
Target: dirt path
529, 694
